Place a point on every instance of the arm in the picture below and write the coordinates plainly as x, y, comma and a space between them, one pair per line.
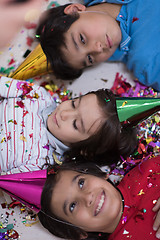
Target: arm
95, 2
14, 15
146, 69
25, 168
10, 88
156, 225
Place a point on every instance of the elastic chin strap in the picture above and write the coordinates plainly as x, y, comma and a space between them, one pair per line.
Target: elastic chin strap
60, 221
57, 220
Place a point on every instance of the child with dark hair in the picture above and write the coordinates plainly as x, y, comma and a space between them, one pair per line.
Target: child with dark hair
35, 131
53, 41
74, 37
78, 202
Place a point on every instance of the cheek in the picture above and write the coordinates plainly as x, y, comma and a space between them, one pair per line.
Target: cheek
82, 218
87, 222
92, 34
69, 135
103, 57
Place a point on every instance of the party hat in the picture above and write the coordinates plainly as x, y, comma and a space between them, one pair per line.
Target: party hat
133, 110
25, 187
34, 65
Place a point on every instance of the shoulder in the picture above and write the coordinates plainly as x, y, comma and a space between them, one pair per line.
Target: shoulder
94, 2
144, 169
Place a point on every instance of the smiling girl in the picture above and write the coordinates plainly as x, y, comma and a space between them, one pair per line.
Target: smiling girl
79, 202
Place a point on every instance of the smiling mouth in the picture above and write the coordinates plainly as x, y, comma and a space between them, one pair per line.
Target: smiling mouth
100, 204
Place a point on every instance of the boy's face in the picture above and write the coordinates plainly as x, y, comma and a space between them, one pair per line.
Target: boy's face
86, 201
92, 39
75, 120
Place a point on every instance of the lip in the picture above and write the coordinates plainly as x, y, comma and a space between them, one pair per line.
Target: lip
108, 42
55, 119
100, 203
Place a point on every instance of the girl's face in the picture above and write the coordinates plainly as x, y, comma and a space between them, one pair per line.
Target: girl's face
76, 120
86, 201
91, 39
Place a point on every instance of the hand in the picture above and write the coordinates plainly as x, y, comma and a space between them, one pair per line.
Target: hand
13, 16
156, 225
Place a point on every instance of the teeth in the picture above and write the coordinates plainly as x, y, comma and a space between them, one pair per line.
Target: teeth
100, 204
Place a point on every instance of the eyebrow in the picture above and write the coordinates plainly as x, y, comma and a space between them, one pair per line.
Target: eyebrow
82, 123
74, 42
83, 63
66, 201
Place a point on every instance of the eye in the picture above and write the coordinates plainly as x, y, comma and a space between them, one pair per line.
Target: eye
75, 125
74, 122
72, 206
73, 103
90, 59
82, 39
81, 182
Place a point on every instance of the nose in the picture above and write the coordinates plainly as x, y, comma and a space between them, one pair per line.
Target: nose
88, 198
98, 47
67, 114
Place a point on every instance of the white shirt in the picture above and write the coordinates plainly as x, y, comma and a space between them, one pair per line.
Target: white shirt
25, 141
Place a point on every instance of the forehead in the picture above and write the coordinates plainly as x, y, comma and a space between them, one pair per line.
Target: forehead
90, 99
63, 178
62, 190
71, 54
91, 112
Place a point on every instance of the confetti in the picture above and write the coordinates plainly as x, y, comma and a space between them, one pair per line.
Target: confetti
154, 201
3, 139
147, 130
11, 61
140, 192
124, 103
20, 104
46, 146
134, 19
125, 232
29, 41
31, 135
8, 221
23, 138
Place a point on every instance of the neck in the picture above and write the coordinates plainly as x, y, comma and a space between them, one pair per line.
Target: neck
109, 8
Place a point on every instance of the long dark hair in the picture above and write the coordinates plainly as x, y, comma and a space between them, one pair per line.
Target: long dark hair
111, 140
49, 220
53, 25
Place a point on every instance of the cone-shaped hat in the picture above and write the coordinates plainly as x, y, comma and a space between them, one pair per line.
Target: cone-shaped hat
134, 110
25, 187
34, 65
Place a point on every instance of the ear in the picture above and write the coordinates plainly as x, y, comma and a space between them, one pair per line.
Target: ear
84, 236
75, 7
106, 177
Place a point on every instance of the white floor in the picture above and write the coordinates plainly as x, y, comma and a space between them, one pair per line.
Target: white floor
92, 79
